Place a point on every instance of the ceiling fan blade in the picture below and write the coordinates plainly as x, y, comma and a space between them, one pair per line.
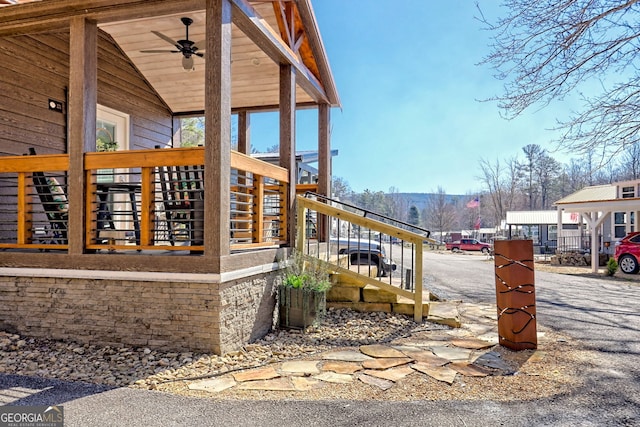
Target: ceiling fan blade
167, 39
187, 63
201, 55
159, 51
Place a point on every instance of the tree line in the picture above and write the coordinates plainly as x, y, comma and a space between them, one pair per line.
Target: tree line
532, 180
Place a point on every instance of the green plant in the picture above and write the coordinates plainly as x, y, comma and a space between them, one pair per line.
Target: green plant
612, 267
308, 273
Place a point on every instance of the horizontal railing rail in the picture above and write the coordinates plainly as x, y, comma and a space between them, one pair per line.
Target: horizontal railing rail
139, 200
377, 253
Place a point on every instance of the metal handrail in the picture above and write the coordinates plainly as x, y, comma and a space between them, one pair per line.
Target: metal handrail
366, 212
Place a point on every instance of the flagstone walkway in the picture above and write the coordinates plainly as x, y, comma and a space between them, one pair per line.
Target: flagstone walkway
441, 354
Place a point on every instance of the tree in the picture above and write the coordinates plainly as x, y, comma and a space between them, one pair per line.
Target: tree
533, 153
192, 131
398, 206
544, 49
340, 189
414, 215
630, 163
501, 183
439, 214
548, 170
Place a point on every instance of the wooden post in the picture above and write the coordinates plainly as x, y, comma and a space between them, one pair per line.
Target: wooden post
324, 166
288, 141
258, 209
244, 132
24, 211
217, 162
417, 308
83, 82
515, 294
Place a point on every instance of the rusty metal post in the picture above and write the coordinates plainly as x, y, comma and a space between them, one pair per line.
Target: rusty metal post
515, 294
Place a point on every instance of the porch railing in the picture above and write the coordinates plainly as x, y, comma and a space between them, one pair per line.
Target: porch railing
127, 207
379, 251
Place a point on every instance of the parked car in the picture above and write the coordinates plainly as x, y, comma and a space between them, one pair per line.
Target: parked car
468, 245
365, 252
628, 253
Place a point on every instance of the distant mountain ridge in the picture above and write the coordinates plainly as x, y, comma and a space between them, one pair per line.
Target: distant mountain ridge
421, 200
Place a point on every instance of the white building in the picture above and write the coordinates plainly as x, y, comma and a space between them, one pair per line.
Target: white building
609, 212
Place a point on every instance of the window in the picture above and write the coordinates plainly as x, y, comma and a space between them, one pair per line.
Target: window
620, 224
552, 232
628, 192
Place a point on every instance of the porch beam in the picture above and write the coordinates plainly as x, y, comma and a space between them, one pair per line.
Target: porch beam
288, 142
83, 89
217, 147
249, 22
51, 15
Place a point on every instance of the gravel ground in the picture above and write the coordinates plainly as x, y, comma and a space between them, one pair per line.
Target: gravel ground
552, 370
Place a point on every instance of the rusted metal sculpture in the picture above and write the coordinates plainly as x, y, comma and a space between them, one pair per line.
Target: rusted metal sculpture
515, 294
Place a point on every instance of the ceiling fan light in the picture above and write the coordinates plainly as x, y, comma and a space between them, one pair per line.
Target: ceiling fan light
187, 63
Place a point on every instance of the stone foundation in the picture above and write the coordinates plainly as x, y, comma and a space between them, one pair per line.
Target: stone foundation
195, 312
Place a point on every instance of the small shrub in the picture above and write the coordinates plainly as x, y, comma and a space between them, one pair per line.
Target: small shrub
306, 273
612, 267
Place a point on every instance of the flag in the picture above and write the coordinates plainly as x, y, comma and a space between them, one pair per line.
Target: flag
473, 203
476, 226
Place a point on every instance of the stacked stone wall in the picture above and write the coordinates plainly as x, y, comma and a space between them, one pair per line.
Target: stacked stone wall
247, 310
171, 315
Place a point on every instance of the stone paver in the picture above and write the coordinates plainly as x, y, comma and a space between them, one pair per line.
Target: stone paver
491, 360
392, 374
256, 374
440, 373
303, 367
380, 351
424, 356
471, 343
346, 356
377, 382
340, 367
451, 353
385, 363
469, 369
332, 377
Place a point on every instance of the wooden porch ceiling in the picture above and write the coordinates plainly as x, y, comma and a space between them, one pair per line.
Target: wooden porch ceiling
254, 72
255, 76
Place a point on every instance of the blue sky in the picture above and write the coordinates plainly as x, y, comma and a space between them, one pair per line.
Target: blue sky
409, 83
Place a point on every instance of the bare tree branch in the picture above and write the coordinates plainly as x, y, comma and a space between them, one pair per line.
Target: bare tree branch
545, 49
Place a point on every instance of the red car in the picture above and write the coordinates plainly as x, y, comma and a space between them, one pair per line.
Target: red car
628, 253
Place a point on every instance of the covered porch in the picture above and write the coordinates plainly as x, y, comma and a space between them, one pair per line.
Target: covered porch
201, 229
253, 57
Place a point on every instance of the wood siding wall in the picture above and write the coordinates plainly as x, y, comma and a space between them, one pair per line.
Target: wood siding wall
35, 68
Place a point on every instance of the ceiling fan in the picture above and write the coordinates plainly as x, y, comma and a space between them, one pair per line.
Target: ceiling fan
187, 47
